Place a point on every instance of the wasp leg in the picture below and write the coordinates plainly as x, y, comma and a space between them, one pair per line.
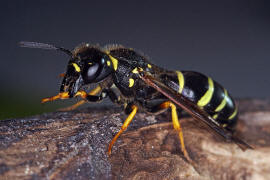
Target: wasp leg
91, 98
176, 125
63, 95
124, 126
81, 102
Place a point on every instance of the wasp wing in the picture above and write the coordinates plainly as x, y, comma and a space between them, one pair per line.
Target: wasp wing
191, 108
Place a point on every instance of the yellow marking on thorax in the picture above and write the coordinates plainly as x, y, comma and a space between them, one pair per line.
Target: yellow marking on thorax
149, 66
77, 68
223, 102
135, 71
206, 98
181, 81
108, 63
90, 63
233, 114
114, 62
215, 116
131, 82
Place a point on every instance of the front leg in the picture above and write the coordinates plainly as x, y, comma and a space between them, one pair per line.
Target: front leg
132, 110
92, 98
81, 102
86, 96
62, 95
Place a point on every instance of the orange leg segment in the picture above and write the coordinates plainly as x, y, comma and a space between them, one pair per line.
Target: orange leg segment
124, 127
177, 126
63, 95
81, 102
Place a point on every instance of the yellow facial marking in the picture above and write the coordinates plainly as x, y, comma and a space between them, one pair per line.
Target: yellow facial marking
77, 68
131, 82
181, 81
90, 63
205, 99
149, 66
135, 71
223, 102
114, 62
108, 63
233, 114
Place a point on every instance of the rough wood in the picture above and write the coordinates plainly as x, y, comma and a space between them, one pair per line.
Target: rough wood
73, 145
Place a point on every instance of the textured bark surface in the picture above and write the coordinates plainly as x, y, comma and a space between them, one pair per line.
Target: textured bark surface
73, 145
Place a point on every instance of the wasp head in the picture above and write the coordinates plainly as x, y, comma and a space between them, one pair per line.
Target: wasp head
88, 64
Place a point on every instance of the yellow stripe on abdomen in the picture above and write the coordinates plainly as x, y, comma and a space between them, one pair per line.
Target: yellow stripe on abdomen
181, 81
223, 102
206, 98
233, 114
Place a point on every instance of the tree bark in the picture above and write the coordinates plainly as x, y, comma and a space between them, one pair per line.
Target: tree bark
73, 145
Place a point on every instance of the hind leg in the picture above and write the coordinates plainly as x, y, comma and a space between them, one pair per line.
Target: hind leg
176, 124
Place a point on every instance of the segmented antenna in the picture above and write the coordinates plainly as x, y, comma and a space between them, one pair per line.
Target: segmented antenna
43, 46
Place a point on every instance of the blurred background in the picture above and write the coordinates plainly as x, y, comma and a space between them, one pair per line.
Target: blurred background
228, 40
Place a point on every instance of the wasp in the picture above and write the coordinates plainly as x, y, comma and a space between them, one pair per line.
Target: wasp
130, 79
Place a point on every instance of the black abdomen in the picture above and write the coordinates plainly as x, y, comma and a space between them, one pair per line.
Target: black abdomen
206, 93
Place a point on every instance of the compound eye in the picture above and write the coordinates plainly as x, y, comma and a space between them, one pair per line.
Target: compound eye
90, 74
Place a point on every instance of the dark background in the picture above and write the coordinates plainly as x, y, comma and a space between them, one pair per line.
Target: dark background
227, 40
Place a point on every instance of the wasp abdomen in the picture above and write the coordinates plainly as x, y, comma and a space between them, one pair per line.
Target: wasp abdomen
206, 93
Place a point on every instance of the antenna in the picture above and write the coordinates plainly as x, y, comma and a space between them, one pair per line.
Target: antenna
38, 45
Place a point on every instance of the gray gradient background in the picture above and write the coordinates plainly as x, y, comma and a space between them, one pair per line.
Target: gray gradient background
228, 40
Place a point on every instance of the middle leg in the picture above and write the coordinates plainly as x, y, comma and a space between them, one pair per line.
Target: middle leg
128, 120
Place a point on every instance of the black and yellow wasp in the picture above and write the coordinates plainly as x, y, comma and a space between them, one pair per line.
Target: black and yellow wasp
129, 79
